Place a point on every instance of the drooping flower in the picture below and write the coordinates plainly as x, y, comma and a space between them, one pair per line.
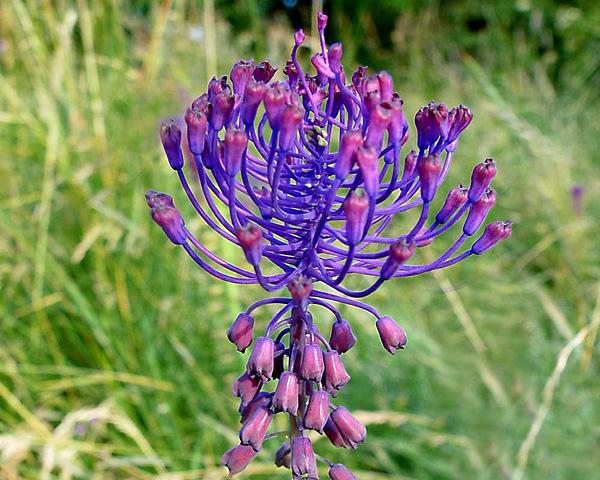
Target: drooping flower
310, 172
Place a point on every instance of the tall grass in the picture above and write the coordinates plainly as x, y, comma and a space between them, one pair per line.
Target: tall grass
113, 361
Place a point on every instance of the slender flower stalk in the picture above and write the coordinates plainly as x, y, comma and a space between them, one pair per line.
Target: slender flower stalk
311, 173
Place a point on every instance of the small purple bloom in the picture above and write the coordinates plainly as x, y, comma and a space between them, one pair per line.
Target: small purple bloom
482, 176
237, 458
262, 399
342, 338
317, 411
356, 208
264, 72
286, 394
171, 221
312, 363
393, 336
170, 136
241, 73
240, 332
493, 233
260, 362
479, 211
304, 463
254, 429
352, 431
250, 238
159, 199
335, 373
340, 472
235, 144
456, 198
246, 387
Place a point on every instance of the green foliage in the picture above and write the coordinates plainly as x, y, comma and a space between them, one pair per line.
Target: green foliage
113, 358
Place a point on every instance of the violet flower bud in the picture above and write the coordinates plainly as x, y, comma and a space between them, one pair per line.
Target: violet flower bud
299, 37
429, 168
260, 362
380, 118
317, 411
432, 123
291, 117
321, 20
397, 127
357, 77
312, 363
300, 288
255, 428
356, 208
482, 176
264, 72
216, 86
253, 95
241, 330
262, 399
197, 124
334, 435
276, 96
456, 198
386, 85
172, 223
479, 211
342, 338
366, 157
278, 361
494, 232
304, 463
235, 144
154, 198
241, 72
222, 106
334, 54
246, 387
340, 472
344, 161
392, 335
335, 373
237, 458
250, 238
286, 394
352, 431
170, 136
459, 118
410, 165
400, 253
292, 73
320, 64
283, 456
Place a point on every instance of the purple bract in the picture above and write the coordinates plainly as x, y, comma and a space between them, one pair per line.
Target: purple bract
309, 171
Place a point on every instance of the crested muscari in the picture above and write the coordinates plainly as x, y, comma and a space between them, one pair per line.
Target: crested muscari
309, 170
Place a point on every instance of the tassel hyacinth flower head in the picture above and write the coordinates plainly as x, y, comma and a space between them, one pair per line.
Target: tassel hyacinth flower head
311, 173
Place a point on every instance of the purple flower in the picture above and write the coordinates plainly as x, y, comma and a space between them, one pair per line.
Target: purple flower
306, 176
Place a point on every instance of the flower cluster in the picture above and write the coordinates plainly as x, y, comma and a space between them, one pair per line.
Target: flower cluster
309, 174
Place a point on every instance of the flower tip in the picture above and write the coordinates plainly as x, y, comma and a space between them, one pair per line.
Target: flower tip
170, 137
171, 221
154, 198
250, 238
393, 337
299, 37
322, 20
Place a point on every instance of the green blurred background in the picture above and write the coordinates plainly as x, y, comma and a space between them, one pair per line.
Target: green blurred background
113, 358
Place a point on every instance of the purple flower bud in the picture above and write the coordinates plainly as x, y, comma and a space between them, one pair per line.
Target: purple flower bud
262, 399
217, 86
246, 387
235, 144
351, 140
432, 124
250, 238
429, 168
321, 20
253, 95
312, 363
410, 164
276, 97
237, 458
278, 361
292, 73
494, 232
357, 77
386, 85
479, 211
459, 118
222, 105
342, 338
334, 55
380, 118
300, 288
240, 331
456, 198
340, 472
366, 157
352, 431
291, 117
255, 428
283, 456
400, 253
286, 394
334, 435
317, 412
393, 336
171, 221
304, 463
197, 124
155, 198
356, 208
335, 373
264, 72
397, 127
320, 63
241, 72
299, 37
260, 362
170, 136
482, 176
